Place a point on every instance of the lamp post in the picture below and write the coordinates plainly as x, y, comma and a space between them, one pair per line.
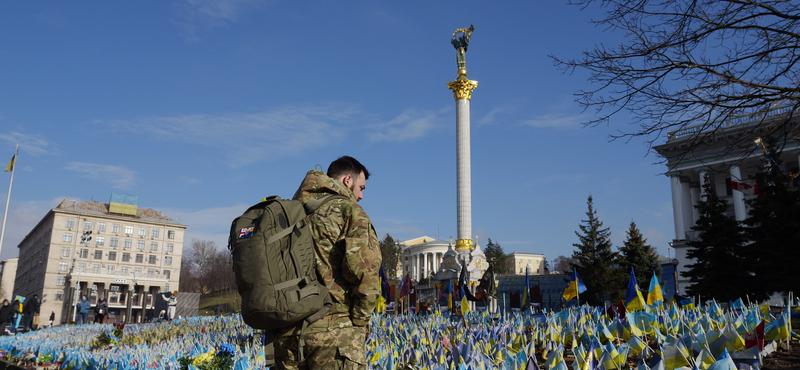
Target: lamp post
129, 301
71, 281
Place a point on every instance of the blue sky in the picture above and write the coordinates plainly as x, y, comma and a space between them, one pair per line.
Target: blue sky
202, 107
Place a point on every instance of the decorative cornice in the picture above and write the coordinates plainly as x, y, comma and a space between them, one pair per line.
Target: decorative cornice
462, 87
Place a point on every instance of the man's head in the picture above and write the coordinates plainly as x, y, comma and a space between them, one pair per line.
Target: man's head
351, 173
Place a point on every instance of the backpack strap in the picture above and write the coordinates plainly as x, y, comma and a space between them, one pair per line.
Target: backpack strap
310, 207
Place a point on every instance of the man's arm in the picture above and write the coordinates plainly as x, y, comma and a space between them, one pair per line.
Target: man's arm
362, 260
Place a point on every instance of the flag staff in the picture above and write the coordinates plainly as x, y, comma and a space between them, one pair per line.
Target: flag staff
13, 167
577, 287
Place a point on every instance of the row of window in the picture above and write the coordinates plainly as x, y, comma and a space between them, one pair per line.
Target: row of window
128, 243
115, 228
112, 256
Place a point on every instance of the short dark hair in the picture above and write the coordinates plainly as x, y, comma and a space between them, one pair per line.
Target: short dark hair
346, 165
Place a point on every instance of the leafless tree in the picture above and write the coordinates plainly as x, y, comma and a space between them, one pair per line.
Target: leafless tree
562, 264
684, 63
207, 269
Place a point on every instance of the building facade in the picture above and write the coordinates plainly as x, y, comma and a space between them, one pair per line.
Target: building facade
729, 158
518, 262
8, 272
88, 248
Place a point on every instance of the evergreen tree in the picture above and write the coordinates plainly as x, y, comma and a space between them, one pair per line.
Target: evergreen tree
773, 228
637, 253
595, 260
390, 254
718, 269
496, 257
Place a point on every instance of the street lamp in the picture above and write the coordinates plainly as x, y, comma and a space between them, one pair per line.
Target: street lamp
73, 297
129, 305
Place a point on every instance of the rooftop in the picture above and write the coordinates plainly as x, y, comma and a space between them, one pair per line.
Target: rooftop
95, 208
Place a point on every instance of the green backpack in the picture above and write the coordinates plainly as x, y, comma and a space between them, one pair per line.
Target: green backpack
275, 265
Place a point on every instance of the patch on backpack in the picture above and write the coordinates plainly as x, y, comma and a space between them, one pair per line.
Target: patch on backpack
246, 232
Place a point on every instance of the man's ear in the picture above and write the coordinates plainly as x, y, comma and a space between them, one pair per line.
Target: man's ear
347, 180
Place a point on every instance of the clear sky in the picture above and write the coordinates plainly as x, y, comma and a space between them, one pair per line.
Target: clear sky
200, 108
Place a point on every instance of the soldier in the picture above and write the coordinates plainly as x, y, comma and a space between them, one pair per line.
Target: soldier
348, 259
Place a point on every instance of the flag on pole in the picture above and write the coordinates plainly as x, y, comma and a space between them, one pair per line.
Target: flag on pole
10, 165
633, 297
574, 286
526, 289
654, 294
450, 295
464, 302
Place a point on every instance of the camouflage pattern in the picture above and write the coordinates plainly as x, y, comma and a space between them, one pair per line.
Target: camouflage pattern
348, 259
337, 348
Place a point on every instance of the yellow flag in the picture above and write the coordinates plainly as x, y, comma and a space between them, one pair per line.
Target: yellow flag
10, 165
380, 306
464, 306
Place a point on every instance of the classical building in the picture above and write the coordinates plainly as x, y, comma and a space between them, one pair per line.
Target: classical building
728, 157
518, 262
422, 256
8, 271
114, 250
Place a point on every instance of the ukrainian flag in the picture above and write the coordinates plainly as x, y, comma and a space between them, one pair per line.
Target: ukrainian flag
10, 165
464, 302
633, 298
574, 287
654, 294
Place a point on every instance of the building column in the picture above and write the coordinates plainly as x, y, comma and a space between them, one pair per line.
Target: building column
739, 210
677, 208
414, 267
702, 175
694, 194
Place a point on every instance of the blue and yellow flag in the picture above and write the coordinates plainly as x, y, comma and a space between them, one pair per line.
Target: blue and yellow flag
654, 294
633, 297
574, 287
464, 302
10, 165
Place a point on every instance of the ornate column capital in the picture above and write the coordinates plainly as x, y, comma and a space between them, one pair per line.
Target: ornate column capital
464, 245
462, 87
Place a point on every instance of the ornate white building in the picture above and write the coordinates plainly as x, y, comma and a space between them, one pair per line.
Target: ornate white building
729, 157
422, 256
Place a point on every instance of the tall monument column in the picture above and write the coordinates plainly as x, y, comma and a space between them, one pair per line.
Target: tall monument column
462, 89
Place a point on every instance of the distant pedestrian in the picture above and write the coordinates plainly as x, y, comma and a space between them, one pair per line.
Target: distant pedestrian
17, 313
52, 318
172, 304
30, 309
102, 310
6, 314
82, 309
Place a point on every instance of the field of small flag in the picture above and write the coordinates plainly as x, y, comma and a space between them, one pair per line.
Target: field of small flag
706, 337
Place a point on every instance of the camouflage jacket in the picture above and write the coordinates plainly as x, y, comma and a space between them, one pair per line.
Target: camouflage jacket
347, 250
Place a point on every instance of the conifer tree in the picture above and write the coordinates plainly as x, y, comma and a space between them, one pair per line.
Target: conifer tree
773, 228
390, 254
718, 268
496, 257
637, 253
594, 259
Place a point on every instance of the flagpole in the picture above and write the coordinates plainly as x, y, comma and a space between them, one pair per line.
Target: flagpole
577, 287
8, 196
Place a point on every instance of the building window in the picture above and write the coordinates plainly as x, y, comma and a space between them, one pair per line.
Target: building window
126, 257
171, 234
62, 267
98, 255
101, 241
139, 258
59, 296
96, 268
168, 260
70, 224
128, 230
169, 248
151, 259
166, 274
140, 245
128, 244
66, 252
82, 267
114, 243
124, 269
153, 247
110, 268
152, 272
155, 233
114, 228
67, 237
142, 232
87, 226
101, 227
112, 256
60, 280
84, 253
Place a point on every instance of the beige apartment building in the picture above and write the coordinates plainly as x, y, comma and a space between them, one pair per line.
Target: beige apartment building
517, 262
8, 271
101, 250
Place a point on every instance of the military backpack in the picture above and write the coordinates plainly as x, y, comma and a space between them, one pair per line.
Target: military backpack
275, 265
